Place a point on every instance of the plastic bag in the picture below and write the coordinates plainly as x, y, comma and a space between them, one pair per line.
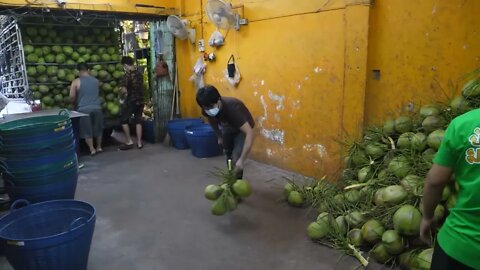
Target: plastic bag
235, 80
3, 101
216, 39
198, 71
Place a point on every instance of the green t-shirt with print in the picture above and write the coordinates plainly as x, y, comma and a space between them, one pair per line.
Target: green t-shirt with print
459, 236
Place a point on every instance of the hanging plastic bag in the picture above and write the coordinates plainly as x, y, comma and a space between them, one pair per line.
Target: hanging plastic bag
216, 39
161, 68
198, 71
232, 69
3, 101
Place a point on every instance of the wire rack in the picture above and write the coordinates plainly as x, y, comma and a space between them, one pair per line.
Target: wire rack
13, 77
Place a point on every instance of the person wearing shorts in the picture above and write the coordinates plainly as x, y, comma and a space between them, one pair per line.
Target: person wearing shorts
132, 110
232, 122
84, 93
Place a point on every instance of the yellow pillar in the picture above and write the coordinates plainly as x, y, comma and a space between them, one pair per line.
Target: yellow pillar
355, 72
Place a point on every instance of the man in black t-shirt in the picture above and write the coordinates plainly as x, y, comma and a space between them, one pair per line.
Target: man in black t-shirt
231, 121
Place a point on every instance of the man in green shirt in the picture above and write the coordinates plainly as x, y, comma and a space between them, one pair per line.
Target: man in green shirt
458, 242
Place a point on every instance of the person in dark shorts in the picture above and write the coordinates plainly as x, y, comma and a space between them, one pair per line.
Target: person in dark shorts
232, 122
458, 241
132, 109
84, 94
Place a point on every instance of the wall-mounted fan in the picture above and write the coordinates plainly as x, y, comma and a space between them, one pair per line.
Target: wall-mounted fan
179, 29
222, 15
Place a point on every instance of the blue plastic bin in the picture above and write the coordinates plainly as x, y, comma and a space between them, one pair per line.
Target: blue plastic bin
203, 141
54, 235
149, 131
59, 190
176, 130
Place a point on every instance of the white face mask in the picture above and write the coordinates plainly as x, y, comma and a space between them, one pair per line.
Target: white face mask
213, 111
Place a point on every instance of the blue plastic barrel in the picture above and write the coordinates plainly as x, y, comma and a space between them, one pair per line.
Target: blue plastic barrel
60, 190
54, 235
203, 141
176, 130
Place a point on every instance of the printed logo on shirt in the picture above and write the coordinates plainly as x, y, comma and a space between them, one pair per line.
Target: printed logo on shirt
472, 154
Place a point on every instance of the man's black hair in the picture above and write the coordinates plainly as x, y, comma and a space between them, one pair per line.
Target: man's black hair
127, 60
207, 96
82, 66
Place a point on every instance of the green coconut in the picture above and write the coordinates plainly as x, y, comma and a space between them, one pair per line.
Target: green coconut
364, 174
439, 213
383, 174
372, 231
435, 138
352, 196
231, 203
423, 260
219, 207
394, 194
452, 200
429, 110
403, 124
355, 237
379, 253
446, 193
340, 225
359, 158
355, 219
472, 88
406, 220
295, 198
339, 200
241, 188
376, 150
406, 259
459, 105
400, 166
322, 207
378, 197
432, 123
393, 242
317, 231
411, 183
324, 217
289, 187
419, 141
405, 140
213, 192
389, 127
429, 154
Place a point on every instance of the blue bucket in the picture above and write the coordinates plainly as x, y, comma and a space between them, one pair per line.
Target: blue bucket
24, 162
54, 177
41, 171
37, 138
39, 148
203, 141
59, 190
176, 130
54, 235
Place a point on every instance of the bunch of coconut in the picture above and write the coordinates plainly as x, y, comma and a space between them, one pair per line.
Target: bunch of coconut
374, 211
228, 193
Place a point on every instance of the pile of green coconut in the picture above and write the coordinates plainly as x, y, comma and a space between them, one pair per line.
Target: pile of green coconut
374, 211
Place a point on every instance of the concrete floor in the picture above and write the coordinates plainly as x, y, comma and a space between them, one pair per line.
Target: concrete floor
151, 214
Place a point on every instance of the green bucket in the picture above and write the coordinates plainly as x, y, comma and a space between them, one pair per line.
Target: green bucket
35, 124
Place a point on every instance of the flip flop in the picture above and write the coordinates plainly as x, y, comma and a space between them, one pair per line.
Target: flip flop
140, 146
125, 147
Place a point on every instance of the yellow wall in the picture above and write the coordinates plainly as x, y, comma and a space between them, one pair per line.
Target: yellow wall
293, 57
103, 5
419, 47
